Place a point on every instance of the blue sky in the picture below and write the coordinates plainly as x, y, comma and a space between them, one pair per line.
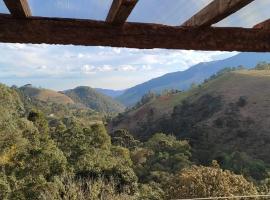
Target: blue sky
61, 67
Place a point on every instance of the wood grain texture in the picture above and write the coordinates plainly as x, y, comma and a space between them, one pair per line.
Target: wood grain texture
216, 11
132, 35
120, 10
263, 25
18, 8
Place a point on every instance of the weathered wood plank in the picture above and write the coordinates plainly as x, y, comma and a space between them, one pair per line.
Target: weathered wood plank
120, 10
263, 25
132, 35
18, 8
216, 11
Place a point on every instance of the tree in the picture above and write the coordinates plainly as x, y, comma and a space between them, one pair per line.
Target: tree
242, 163
39, 120
4, 187
200, 182
262, 66
123, 138
162, 155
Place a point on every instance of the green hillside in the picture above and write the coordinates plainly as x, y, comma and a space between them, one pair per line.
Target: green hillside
90, 98
46, 95
80, 97
225, 118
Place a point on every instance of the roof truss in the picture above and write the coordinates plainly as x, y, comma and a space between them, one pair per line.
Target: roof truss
263, 25
120, 10
18, 8
216, 11
132, 35
196, 33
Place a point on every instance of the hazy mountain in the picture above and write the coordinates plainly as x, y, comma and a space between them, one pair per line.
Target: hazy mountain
89, 97
196, 74
109, 92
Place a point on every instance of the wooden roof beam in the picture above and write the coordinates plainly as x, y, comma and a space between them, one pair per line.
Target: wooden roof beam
120, 10
18, 8
216, 11
263, 25
37, 30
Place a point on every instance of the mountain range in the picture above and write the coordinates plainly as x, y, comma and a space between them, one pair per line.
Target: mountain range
182, 80
115, 101
109, 92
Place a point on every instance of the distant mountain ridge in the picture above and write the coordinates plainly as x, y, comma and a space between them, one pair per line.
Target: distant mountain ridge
182, 80
109, 92
91, 98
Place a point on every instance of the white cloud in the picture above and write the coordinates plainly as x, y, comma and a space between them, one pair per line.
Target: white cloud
88, 69
105, 68
43, 67
147, 67
80, 55
16, 46
77, 63
126, 68
116, 50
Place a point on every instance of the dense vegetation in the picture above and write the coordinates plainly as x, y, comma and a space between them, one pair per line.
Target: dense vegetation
62, 156
223, 119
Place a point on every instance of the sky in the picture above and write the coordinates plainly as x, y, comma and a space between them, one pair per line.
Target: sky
63, 67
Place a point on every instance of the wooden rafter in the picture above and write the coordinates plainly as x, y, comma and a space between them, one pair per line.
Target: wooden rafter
133, 35
18, 8
263, 25
120, 10
216, 11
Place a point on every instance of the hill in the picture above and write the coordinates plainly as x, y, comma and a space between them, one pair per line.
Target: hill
80, 97
46, 95
109, 92
39, 152
182, 80
90, 98
227, 114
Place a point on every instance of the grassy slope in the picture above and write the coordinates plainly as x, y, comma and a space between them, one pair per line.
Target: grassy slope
253, 84
46, 95
161, 107
230, 128
56, 105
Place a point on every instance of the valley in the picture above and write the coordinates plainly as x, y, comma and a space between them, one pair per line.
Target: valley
167, 140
